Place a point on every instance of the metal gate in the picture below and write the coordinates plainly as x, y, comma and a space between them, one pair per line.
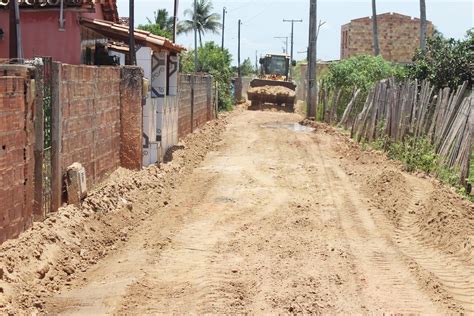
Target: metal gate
47, 91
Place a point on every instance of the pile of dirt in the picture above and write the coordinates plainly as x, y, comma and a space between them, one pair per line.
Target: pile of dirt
272, 91
441, 217
389, 192
447, 221
49, 256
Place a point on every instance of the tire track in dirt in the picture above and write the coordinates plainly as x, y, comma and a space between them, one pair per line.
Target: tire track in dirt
455, 277
390, 286
187, 275
269, 223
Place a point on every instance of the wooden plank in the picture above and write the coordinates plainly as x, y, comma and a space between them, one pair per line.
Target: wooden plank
396, 107
437, 99
367, 115
358, 122
451, 111
349, 107
424, 115
441, 116
464, 159
414, 109
325, 103
333, 113
449, 146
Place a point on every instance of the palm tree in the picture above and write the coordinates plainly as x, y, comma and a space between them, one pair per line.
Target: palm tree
205, 20
375, 33
162, 19
422, 24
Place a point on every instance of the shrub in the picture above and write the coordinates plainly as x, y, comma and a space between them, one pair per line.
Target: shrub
416, 153
445, 62
361, 72
215, 61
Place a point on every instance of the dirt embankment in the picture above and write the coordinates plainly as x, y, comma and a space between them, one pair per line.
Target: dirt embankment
433, 225
439, 215
48, 257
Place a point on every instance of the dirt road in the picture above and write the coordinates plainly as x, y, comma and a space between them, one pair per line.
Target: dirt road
282, 219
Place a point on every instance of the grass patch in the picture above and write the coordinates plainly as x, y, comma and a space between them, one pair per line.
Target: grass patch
418, 154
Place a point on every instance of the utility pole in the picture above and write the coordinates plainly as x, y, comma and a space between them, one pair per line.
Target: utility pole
292, 33
19, 47
195, 38
286, 38
375, 32
175, 20
193, 78
312, 84
224, 11
256, 62
131, 30
238, 54
13, 54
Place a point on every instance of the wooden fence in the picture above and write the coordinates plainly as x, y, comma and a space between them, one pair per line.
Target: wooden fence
397, 110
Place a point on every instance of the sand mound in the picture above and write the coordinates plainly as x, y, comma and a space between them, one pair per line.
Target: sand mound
49, 256
272, 91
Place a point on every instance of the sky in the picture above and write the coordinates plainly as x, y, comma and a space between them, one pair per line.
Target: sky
262, 20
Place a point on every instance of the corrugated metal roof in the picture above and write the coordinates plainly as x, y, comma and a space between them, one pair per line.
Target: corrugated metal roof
119, 32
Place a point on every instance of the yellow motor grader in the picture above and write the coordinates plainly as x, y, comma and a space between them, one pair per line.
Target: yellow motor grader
273, 85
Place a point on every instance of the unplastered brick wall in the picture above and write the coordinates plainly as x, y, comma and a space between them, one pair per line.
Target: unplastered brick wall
16, 157
399, 37
90, 101
202, 105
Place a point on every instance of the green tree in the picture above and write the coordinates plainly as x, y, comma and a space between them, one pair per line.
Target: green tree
361, 72
246, 68
217, 62
161, 25
444, 62
206, 21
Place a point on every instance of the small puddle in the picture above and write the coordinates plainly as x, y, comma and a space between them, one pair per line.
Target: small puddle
295, 127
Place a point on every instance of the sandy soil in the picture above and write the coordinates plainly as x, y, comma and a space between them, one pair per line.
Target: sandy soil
254, 214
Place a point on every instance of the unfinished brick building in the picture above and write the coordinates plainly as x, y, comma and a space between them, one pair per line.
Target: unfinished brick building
399, 37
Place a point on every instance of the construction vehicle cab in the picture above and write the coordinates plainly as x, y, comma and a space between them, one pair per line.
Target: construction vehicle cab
275, 66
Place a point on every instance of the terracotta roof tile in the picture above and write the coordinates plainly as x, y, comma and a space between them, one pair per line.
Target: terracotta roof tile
120, 32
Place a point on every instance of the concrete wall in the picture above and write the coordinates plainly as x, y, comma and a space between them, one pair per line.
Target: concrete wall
202, 104
242, 85
160, 113
399, 37
16, 157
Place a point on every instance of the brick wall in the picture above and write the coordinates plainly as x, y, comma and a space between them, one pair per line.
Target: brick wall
399, 37
16, 157
203, 102
131, 118
90, 101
